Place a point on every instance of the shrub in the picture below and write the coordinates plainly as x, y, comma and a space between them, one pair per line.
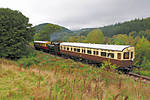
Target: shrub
106, 65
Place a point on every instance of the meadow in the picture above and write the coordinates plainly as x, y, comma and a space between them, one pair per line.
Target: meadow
46, 77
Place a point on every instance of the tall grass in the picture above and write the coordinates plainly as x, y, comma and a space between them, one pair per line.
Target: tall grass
54, 78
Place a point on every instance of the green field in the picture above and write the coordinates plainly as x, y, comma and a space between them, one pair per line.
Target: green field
46, 77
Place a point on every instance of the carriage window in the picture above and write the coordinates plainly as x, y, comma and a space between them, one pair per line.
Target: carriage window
131, 55
97, 53
119, 55
78, 50
103, 54
94, 52
64, 48
110, 55
71, 49
126, 55
83, 51
75, 49
89, 51
68, 49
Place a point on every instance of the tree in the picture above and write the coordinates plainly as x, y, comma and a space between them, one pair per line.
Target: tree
81, 39
95, 36
120, 39
147, 34
15, 33
142, 50
44, 35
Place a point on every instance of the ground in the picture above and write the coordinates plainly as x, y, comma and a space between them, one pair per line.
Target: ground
56, 78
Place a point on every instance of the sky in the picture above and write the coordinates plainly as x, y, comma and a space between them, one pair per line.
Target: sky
77, 14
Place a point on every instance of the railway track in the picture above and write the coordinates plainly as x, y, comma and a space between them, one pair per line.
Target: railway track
137, 76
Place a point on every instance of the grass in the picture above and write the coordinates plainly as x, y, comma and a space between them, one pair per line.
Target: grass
55, 78
143, 71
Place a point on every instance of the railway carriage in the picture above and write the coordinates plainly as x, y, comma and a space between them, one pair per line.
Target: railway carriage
41, 45
121, 55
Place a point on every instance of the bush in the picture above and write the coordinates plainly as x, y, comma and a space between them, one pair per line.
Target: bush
106, 65
29, 60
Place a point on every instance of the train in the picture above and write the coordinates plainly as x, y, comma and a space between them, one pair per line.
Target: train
121, 55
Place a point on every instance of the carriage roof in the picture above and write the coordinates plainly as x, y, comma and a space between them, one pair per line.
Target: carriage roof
97, 46
41, 41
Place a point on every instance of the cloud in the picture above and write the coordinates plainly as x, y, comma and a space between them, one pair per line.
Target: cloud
100, 13
80, 13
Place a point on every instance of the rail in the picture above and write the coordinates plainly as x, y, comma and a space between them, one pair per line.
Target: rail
139, 76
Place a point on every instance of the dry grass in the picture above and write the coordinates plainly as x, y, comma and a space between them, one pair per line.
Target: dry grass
67, 80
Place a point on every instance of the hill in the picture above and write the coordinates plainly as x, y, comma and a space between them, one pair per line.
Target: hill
39, 27
126, 27
57, 35
136, 25
121, 28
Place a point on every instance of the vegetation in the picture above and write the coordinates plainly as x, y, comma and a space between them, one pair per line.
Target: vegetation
136, 25
143, 52
15, 33
54, 78
81, 39
95, 36
40, 27
45, 33
52, 32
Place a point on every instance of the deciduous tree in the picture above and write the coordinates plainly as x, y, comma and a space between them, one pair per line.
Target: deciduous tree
142, 50
15, 33
95, 36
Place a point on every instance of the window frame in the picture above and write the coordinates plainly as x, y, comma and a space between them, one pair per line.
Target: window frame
89, 52
110, 55
126, 56
118, 55
103, 53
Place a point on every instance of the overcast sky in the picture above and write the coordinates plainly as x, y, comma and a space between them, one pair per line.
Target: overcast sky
76, 14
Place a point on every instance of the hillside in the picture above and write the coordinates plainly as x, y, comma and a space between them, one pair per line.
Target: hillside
55, 78
121, 28
57, 35
136, 25
39, 27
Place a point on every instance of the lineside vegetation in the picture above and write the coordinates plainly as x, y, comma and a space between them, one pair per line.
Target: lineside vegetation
55, 78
